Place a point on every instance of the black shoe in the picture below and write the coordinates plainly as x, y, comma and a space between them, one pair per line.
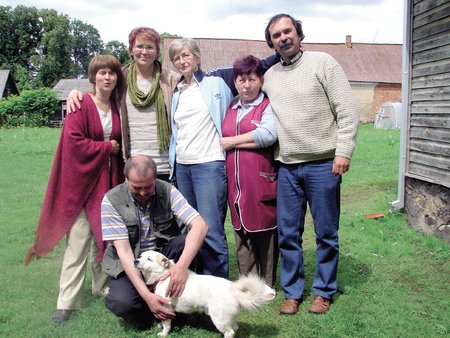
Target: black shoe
61, 316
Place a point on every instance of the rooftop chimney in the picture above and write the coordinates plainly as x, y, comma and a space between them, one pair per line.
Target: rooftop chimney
348, 41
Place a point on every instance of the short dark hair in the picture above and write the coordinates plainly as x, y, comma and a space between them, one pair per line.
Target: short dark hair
247, 65
142, 164
107, 61
297, 25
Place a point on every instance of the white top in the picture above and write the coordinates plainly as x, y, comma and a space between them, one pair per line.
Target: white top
106, 119
144, 131
198, 139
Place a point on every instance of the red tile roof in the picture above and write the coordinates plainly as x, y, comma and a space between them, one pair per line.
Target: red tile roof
380, 63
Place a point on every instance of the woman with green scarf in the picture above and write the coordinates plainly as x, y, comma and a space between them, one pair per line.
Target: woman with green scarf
146, 105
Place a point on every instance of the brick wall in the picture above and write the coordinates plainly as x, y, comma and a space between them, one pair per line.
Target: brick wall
385, 93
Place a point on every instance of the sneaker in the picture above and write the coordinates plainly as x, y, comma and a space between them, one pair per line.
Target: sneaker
319, 305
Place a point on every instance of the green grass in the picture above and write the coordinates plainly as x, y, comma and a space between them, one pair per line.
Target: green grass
393, 281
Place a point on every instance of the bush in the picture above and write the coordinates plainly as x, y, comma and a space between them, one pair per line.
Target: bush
31, 109
11, 111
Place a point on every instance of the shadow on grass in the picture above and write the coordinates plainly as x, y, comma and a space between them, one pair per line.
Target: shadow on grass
179, 323
260, 330
200, 321
203, 321
352, 274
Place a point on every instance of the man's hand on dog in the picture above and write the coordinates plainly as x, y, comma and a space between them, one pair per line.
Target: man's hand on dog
178, 277
156, 306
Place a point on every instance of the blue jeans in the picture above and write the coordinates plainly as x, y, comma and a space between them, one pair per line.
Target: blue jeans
204, 186
314, 184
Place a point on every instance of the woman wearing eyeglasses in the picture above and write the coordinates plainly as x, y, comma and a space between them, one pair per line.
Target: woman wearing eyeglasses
197, 159
145, 106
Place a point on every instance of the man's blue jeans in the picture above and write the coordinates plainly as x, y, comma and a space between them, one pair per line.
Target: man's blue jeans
204, 186
314, 184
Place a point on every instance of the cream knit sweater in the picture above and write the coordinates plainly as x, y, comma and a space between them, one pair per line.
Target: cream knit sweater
314, 107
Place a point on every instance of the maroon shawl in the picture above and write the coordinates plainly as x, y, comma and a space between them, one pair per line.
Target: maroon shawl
79, 178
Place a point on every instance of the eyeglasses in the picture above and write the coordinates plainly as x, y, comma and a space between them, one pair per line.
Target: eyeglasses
140, 48
179, 58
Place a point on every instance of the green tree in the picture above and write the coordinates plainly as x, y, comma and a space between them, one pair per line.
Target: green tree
42, 46
22, 78
119, 50
20, 34
6, 43
86, 44
54, 61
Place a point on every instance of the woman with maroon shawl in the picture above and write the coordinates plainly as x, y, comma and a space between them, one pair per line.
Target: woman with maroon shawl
87, 164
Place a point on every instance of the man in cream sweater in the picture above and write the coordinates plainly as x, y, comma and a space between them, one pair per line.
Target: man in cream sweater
317, 122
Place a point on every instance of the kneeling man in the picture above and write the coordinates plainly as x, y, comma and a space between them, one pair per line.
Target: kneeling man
141, 214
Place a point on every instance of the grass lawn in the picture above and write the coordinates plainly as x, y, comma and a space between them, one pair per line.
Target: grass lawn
393, 281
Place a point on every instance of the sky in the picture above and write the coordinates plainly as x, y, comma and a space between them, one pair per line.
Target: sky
324, 21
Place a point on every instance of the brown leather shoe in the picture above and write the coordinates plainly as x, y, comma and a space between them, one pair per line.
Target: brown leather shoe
319, 305
289, 306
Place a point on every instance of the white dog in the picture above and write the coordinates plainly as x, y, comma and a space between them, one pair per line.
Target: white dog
218, 297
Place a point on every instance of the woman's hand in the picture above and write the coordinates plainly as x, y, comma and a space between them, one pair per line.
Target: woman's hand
227, 143
115, 147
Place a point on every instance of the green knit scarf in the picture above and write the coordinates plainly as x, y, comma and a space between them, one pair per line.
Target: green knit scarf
142, 100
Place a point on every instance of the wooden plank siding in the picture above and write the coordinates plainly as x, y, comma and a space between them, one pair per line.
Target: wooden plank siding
429, 122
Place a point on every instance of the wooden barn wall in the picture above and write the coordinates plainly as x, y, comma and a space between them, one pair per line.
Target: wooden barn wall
429, 138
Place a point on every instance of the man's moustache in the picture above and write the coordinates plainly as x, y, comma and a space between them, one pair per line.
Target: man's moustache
288, 42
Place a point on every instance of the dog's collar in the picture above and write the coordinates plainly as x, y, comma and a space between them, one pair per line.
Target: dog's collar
152, 287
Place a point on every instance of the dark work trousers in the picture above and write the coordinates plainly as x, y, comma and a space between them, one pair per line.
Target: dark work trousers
123, 299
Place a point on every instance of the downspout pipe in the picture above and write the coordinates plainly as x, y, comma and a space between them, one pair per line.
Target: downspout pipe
399, 203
